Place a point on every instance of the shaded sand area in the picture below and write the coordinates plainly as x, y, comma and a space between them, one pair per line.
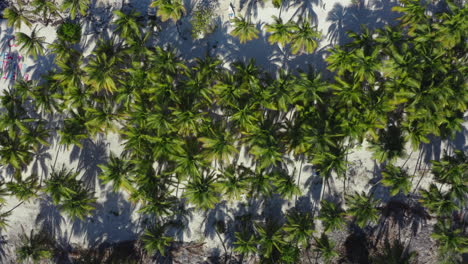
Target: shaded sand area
115, 218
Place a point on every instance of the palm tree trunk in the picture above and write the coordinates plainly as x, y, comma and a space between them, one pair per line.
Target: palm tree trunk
322, 190
419, 181
223, 244
407, 159
299, 177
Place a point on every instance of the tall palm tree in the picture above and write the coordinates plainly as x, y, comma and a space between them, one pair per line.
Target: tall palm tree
74, 130
189, 162
45, 9
332, 216
154, 239
397, 179
220, 146
169, 9
103, 74
75, 7
363, 208
117, 171
285, 185
299, 227
281, 32
14, 151
452, 171
304, 38
31, 44
58, 184
127, 25
244, 29
201, 191
70, 194
438, 202
451, 242
245, 244
16, 16
24, 189
79, 204
270, 239
231, 183
325, 248
390, 144
34, 248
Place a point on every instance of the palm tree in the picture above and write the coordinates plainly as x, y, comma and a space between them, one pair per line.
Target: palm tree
189, 162
244, 29
127, 25
58, 184
103, 73
117, 171
33, 44
101, 119
16, 16
451, 170
45, 9
363, 208
414, 14
325, 248
154, 239
220, 146
201, 191
390, 144
24, 189
397, 179
231, 184
74, 130
281, 32
34, 248
79, 204
304, 38
285, 185
14, 151
451, 242
75, 7
299, 227
270, 239
332, 216
169, 9
437, 202
68, 192
245, 244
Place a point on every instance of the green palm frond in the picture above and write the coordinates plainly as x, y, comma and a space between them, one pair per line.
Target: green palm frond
31, 44
244, 29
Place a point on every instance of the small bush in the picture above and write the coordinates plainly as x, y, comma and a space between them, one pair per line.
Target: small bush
69, 32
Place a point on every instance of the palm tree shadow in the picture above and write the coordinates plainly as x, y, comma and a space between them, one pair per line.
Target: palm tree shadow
212, 216
49, 217
39, 164
375, 15
313, 184
304, 9
89, 157
251, 7
111, 222
181, 219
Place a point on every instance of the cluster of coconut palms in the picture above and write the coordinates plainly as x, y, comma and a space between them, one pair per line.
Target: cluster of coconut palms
195, 133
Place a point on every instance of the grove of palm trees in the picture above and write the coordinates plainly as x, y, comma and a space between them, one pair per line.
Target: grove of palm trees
143, 132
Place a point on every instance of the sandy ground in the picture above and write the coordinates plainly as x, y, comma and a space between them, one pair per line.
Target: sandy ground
115, 218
